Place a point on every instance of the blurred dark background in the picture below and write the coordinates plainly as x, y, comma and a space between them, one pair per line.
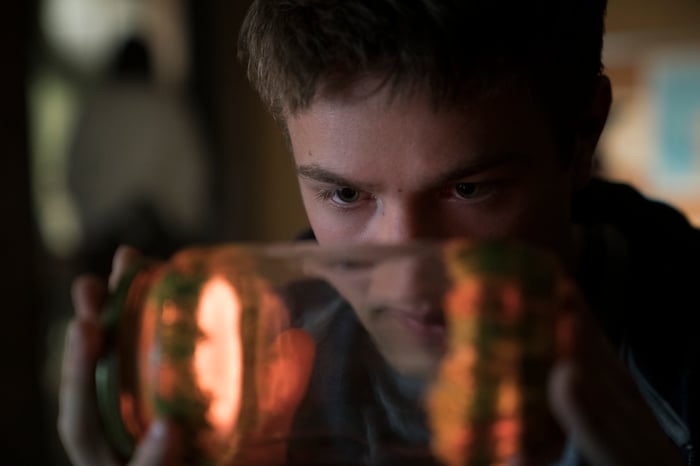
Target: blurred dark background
131, 121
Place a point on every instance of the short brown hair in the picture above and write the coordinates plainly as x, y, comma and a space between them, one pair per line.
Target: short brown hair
294, 47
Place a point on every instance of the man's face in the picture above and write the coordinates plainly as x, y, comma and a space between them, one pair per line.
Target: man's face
376, 169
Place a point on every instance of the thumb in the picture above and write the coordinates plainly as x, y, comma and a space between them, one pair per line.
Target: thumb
161, 446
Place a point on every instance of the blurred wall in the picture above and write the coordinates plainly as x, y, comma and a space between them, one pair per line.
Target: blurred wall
256, 188
636, 15
22, 435
652, 140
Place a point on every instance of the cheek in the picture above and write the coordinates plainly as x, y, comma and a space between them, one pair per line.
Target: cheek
532, 208
544, 212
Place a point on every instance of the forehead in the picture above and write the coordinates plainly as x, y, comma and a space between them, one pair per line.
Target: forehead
374, 128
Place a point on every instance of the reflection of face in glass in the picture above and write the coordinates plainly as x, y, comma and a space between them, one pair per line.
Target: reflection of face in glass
397, 294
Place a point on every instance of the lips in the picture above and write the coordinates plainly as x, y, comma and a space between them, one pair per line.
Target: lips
427, 325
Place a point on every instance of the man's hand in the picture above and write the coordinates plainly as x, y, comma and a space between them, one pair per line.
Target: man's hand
78, 422
282, 385
596, 400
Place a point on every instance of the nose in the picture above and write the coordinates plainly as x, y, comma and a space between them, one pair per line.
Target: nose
403, 222
415, 282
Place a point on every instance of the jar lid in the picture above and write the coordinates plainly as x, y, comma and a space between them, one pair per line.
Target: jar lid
110, 370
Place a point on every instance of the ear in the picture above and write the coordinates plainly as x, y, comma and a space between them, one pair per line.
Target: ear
590, 127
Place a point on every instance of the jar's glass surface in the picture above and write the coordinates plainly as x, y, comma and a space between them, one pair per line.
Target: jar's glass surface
422, 353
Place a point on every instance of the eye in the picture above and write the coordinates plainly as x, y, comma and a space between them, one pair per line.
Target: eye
468, 190
346, 195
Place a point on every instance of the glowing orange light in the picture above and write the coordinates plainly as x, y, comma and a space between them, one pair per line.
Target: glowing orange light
218, 357
512, 300
506, 435
466, 298
127, 406
508, 398
147, 354
169, 316
506, 430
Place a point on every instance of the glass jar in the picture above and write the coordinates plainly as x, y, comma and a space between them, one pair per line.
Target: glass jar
488, 402
302, 354
193, 339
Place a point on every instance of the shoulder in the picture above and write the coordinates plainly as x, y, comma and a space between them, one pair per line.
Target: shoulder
663, 247
660, 283
632, 212
663, 256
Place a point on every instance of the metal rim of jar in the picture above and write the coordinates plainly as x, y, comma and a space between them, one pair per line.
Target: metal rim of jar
108, 368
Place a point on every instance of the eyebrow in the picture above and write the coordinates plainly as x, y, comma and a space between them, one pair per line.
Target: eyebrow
482, 164
317, 173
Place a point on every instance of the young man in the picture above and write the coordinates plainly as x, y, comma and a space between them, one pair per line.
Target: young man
437, 118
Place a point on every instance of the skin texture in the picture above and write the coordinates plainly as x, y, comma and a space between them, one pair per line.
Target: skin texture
490, 169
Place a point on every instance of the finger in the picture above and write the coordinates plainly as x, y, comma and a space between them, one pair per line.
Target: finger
608, 429
89, 294
586, 423
583, 375
162, 445
597, 402
124, 258
586, 381
78, 422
